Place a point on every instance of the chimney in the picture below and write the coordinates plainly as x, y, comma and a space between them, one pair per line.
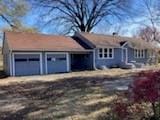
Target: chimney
114, 34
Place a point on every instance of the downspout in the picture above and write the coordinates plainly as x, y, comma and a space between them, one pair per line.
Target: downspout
126, 53
10, 63
122, 59
94, 60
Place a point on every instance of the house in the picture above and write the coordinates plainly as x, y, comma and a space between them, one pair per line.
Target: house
34, 54
113, 50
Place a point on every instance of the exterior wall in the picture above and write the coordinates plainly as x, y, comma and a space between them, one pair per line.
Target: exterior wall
117, 58
62, 66
6, 57
138, 60
6, 63
44, 63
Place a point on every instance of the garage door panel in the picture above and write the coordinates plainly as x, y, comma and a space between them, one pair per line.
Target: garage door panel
56, 63
56, 55
27, 64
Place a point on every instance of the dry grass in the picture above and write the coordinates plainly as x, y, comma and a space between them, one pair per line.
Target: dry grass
71, 96
57, 77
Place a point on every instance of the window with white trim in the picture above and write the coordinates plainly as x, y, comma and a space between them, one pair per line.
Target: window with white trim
105, 53
110, 53
100, 53
139, 53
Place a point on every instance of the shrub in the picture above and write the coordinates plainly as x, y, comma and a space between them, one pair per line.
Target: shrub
144, 90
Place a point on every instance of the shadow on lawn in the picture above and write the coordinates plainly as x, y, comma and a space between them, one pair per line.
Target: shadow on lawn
2, 74
77, 98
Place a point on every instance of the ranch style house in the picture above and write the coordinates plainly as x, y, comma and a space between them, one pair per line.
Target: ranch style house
39, 54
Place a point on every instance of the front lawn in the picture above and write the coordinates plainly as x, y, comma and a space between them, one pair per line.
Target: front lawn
72, 96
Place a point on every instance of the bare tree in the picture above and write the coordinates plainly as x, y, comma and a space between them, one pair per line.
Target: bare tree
149, 34
11, 11
81, 15
151, 19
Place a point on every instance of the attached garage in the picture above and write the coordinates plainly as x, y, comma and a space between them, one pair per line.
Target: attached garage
37, 54
26, 64
57, 62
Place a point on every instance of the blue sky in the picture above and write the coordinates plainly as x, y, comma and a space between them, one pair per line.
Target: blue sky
128, 28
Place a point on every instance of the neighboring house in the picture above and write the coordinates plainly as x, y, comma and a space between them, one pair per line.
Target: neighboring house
33, 54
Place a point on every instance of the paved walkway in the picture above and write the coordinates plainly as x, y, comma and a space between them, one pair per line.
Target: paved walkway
119, 84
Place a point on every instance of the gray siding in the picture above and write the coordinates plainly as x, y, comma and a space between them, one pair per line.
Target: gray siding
44, 63
117, 57
6, 57
61, 65
138, 60
6, 63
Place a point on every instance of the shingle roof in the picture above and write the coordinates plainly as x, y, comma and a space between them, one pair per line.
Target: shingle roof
100, 40
21, 41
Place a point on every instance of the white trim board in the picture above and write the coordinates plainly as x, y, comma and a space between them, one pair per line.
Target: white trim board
122, 54
24, 53
56, 53
94, 59
126, 55
103, 53
125, 44
10, 64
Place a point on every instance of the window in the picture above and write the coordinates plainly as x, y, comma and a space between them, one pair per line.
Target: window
26, 59
105, 53
110, 53
61, 59
55, 59
51, 59
33, 59
20, 60
100, 53
139, 53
